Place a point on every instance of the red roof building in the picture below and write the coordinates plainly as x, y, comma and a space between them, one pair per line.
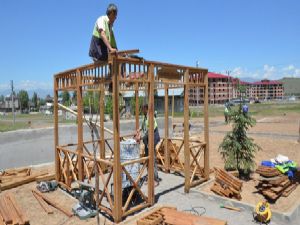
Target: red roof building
223, 88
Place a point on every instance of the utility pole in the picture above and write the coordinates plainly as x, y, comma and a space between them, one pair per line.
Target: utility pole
12, 101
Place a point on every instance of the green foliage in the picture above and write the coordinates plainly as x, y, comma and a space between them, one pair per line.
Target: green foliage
74, 97
132, 105
91, 101
24, 99
35, 100
1, 98
108, 106
237, 149
66, 98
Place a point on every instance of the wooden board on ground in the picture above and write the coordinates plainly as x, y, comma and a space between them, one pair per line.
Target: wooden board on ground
170, 215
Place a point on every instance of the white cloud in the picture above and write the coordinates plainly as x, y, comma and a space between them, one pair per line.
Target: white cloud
27, 85
266, 72
269, 72
33, 85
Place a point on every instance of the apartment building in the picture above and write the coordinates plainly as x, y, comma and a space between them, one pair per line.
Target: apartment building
223, 88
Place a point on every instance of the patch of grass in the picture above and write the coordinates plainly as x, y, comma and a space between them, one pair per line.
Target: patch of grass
9, 126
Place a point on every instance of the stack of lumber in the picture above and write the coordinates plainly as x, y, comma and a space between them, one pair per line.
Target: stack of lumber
267, 171
167, 215
226, 184
12, 178
10, 211
272, 184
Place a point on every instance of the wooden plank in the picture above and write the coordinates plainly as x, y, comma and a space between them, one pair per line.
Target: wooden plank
117, 209
79, 126
206, 126
20, 182
151, 197
289, 190
1, 220
43, 204
4, 211
46, 177
54, 204
167, 152
187, 169
20, 212
56, 136
175, 217
15, 217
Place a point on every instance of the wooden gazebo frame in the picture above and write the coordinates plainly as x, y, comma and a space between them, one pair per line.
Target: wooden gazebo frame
74, 162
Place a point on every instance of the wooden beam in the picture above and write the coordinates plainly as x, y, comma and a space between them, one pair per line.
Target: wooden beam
76, 114
151, 149
79, 126
187, 169
167, 152
43, 204
137, 107
102, 136
117, 210
56, 137
206, 129
20, 181
54, 204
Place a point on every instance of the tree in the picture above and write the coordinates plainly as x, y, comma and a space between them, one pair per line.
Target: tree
35, 100
237, 149
74, 97
24, 99
91, 101
108, 106
132, 105
66, 98
1, 98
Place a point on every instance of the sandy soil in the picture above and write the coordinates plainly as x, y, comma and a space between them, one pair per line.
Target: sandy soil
271, 147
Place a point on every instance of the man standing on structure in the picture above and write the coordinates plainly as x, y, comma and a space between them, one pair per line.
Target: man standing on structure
144, 129
103, 39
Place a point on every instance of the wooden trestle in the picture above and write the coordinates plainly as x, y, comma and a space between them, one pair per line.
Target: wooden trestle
75, 162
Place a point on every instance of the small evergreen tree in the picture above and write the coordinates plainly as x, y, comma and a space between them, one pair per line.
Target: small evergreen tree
237, 149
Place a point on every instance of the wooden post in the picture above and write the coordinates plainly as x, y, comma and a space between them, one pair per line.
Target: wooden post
167, 152
151, 149
101, 105
299, 133
206, 129
137, 107
117, 210
56, 140
186, 137
79, 126
173, 107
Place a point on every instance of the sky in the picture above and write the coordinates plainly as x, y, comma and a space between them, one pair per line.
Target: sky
251, 39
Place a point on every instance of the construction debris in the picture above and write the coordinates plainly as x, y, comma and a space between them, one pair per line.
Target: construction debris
168, 215
10, 211
276, 186
226, 185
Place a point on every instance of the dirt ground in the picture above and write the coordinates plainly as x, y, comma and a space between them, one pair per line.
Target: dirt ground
275, 135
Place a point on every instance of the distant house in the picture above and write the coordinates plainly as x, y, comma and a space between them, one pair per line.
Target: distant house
159, 100
6, 105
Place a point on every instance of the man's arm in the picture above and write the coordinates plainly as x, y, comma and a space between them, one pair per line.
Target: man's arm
106, 42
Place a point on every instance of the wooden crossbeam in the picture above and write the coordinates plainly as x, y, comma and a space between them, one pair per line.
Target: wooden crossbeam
135, 186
